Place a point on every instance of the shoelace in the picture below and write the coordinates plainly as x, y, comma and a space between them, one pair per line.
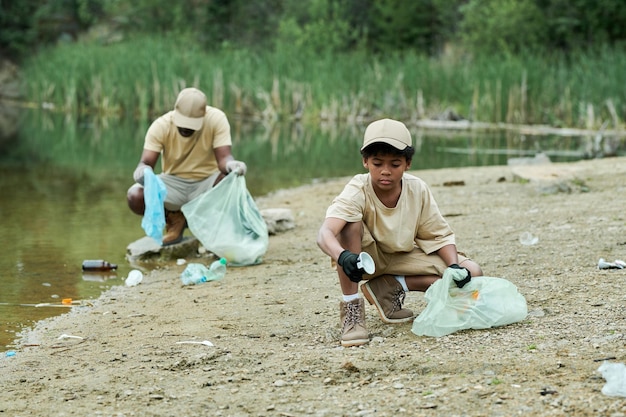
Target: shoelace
352, 314
398, 299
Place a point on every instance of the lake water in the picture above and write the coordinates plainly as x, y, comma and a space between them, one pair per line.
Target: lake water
64, 179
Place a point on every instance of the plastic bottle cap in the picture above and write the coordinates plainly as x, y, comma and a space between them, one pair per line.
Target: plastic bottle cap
223, 261
366, 262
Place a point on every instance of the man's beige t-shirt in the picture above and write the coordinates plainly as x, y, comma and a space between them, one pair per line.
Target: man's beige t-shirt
193, 157
416, 219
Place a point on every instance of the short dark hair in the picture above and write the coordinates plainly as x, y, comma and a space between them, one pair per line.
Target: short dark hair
381, 148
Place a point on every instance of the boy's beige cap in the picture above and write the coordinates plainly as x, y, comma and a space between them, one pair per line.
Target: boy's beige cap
387, 131
190, 109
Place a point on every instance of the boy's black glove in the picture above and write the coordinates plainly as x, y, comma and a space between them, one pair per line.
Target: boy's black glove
347, 260
461, 275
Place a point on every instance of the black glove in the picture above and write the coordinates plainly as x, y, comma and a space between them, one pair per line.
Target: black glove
347, 260
457, 278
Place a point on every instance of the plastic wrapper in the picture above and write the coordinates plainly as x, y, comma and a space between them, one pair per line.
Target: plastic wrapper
154, 193
615, 376
482, 303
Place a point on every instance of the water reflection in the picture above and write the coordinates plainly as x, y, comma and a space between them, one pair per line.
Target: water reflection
63, 181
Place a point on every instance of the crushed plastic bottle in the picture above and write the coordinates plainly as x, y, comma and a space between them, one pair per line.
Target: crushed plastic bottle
618, 264
197, 273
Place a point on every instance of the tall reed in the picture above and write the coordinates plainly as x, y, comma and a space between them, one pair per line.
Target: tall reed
140, 78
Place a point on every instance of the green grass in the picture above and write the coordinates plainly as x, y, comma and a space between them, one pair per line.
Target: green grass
140, 78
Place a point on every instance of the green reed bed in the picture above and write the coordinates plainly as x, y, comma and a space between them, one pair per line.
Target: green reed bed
141, 77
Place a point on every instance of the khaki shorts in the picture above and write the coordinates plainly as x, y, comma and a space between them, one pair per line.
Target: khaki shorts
181, 191
415, 262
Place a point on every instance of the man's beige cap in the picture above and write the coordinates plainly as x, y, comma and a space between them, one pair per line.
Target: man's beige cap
190, 109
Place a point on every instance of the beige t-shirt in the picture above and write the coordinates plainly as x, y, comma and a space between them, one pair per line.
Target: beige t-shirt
416, 219
193, 157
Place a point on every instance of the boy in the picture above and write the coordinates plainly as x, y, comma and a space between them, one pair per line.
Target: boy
393, 217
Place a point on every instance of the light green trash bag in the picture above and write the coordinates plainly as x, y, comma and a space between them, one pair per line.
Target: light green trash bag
482, 303
228, 223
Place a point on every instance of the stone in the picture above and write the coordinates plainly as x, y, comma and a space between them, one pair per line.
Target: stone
147, 249
278, 220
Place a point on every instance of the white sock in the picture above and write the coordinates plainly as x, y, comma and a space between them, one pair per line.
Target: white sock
350, 298
402, 281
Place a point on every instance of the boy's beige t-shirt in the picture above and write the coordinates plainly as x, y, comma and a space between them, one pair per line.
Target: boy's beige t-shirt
193, 157
416, 219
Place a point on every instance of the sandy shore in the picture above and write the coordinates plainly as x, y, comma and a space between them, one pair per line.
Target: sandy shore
274, 332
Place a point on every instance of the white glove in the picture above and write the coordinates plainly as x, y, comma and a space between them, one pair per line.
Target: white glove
139, 173
238, 167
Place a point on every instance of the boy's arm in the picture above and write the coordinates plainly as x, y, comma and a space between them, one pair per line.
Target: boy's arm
327, 237
450, 256
330, 245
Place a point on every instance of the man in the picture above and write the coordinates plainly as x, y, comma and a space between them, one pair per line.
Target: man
195, 144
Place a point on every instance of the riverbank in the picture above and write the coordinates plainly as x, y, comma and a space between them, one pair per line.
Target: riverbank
275, 334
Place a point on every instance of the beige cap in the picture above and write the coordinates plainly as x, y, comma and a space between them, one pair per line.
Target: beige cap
190, 109
387, 131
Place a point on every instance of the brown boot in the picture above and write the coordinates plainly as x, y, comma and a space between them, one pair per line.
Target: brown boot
352, 317
387, 295
175, 224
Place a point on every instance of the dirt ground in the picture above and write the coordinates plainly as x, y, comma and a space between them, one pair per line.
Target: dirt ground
275, 326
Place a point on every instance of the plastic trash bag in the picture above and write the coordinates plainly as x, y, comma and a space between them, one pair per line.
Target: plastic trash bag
228, 223
482, 303
615, 376
154, 193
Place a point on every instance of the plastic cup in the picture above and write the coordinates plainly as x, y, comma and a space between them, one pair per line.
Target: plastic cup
366, 262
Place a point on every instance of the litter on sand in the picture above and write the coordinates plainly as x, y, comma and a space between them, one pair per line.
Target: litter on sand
617, 264
204, 342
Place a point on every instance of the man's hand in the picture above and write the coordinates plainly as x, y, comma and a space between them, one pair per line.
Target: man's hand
238, 167
460, 275
347, 260
139, 173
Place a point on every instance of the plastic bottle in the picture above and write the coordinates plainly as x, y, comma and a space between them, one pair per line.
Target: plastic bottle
198, 273
98, 265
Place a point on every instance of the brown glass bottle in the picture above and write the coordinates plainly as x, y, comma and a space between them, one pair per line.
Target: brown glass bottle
98, 265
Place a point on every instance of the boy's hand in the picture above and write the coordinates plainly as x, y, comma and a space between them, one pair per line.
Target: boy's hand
347, 260
460, 275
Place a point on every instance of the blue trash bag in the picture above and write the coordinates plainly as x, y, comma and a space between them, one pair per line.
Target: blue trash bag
154, 193
482, 303
228, 223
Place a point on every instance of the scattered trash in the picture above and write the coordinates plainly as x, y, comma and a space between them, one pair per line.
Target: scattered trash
527, 239
98, 265
198, 273
617, 264
615, 375
366, 263
134, 278
66, 301
204, 342
181, 261
10, 353
68, 336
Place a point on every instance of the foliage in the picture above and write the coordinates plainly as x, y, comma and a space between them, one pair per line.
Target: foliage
321, 26
502, 26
